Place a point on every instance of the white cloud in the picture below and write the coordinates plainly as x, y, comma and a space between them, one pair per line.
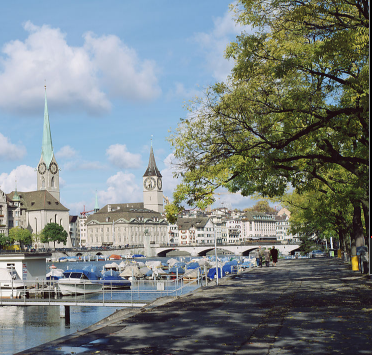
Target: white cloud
124, 74
232, 201
119, 156
75, 75
121, 188
179, 90
25, 176
214, 44
66, 152
10, 151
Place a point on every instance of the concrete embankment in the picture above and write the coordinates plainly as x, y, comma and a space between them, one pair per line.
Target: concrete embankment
304, 306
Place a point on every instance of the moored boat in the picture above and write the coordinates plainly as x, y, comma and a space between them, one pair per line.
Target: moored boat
11, 285
79, 282
112, 279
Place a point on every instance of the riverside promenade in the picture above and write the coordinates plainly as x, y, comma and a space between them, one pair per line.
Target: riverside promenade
303, 306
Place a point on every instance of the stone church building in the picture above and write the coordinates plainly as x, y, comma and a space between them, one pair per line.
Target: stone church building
34, 209
132, 223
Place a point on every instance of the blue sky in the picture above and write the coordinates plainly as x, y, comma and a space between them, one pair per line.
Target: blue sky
117, 73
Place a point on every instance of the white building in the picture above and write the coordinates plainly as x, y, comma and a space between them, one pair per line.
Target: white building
258, 225
197, 230
283, 226
126, 224
173, 234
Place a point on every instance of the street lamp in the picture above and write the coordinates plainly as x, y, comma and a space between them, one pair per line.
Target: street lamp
215, 253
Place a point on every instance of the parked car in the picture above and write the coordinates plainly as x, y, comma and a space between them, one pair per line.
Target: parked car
318, 254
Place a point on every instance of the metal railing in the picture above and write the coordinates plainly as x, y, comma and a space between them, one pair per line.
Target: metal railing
107, 293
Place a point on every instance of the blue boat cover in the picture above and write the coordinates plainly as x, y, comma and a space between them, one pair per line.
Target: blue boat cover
212, 272
193, 265
173, 270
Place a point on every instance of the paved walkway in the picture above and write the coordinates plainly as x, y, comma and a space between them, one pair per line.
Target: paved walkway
304, 306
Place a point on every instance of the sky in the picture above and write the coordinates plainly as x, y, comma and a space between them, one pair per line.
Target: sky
118, 75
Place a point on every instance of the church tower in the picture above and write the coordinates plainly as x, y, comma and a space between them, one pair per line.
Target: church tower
152, 186
47, 170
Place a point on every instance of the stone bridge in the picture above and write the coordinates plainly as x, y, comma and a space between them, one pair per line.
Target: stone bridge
192, 250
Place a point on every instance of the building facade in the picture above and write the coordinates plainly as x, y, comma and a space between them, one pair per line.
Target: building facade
35, 209
195, 231
258, 225
125, 224
283, 227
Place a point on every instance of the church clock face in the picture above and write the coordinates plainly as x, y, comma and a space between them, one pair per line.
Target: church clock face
53, 168
159, 183
149, 183
41, 168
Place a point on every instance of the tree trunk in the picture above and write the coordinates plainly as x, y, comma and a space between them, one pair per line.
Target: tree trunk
341, 238
366, 219
357, 236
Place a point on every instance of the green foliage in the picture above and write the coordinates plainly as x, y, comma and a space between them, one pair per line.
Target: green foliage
53, 232
171, 213
261, 206
5, 240
307, 244
295, 111
20, 235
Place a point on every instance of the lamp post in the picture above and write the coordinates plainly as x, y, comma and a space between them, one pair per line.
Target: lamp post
215, 253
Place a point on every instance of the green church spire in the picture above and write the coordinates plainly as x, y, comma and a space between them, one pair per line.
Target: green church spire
47, 147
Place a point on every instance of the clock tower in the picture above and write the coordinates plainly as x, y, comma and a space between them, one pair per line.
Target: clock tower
47, 169
153, 186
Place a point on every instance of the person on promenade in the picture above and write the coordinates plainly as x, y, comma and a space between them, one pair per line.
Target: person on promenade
274, 255
267, 257
259, 256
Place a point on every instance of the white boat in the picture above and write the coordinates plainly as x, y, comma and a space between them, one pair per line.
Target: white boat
11, 285
78, 282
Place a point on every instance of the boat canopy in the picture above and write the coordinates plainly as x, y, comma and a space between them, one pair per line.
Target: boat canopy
80, 274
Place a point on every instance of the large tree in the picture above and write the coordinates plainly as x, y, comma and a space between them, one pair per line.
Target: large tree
321, 214
5, 241
295, 108
20, 235
261, 206
53, 232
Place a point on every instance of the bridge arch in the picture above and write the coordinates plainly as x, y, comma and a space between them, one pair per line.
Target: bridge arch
209, 249
164, 252
246, 252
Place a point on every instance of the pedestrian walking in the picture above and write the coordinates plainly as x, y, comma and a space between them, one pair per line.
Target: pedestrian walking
274, 255
267, 257
259, 255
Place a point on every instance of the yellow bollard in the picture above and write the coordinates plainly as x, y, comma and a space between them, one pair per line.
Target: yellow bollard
339, 253
354, 263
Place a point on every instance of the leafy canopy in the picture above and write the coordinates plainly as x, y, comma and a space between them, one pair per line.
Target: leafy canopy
53, 232
20, 235
295, 109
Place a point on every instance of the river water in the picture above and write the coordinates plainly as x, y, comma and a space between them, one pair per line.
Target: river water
22, 328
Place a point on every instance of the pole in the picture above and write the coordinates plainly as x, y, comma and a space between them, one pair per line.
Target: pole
113, 232
215, 253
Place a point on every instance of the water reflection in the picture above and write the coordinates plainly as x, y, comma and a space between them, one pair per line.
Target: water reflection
25, 327
22, 328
